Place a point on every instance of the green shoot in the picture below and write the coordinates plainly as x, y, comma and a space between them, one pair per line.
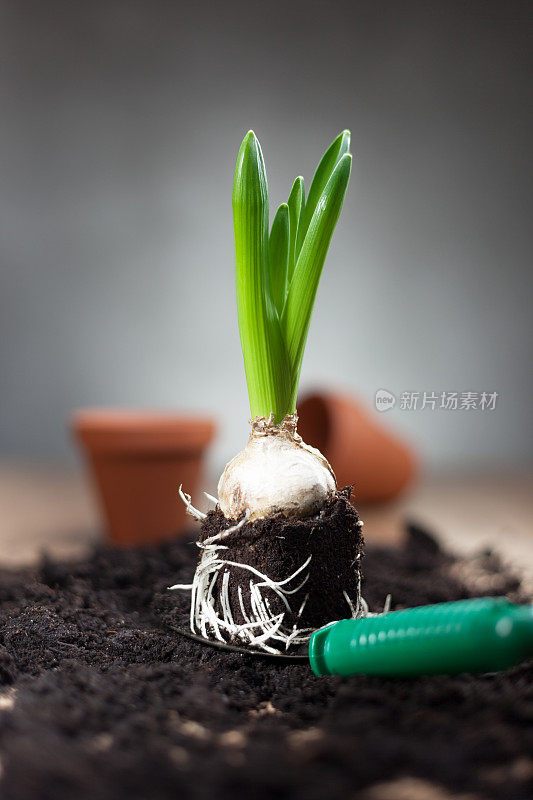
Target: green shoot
278, 254
333, 154
303, 288
277, 277
264, 351
296, 203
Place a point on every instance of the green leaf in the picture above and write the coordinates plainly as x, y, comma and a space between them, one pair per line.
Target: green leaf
302, 291
278, 249
275, 296
296, 204
329, 161
263, 347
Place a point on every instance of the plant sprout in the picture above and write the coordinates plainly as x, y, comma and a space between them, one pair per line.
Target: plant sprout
277, 278
277, 275
277, 477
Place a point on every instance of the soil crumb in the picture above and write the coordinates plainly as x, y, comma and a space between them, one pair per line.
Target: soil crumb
102, 701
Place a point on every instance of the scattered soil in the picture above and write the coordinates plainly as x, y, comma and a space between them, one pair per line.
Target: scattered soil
278, 547
100, 700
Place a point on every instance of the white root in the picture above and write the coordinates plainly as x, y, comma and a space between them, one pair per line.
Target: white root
351, 606
222, 535
363, 607
194, 512
261, 625
261, 628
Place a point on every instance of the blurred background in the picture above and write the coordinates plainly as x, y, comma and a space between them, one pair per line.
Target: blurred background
121, 121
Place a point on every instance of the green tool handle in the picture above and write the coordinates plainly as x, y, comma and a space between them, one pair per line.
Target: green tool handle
481, 635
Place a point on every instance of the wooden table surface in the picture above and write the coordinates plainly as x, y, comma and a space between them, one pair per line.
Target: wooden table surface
53, 509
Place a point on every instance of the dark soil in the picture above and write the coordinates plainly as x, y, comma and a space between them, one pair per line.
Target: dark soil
278, 546
101, 701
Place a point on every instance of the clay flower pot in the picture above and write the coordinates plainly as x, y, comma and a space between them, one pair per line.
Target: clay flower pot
138, 460
358, 448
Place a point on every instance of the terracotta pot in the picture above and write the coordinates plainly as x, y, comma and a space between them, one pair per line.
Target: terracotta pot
137, 460
358, 448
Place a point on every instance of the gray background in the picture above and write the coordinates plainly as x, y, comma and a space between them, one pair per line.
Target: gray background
120, 127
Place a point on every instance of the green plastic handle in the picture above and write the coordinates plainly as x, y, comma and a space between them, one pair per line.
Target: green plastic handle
481, 635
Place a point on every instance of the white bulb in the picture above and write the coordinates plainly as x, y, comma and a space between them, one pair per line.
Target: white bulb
276, 473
